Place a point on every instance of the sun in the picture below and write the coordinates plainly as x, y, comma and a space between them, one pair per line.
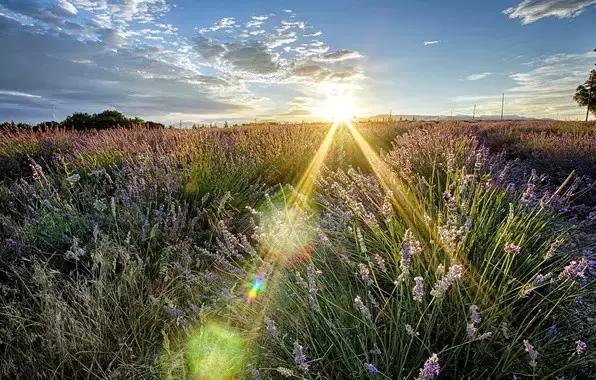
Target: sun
338, 105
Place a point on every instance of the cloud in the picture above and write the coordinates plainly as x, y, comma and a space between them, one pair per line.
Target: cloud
529, 11
224, 23
81, 76
544, 90
340, 55
101, 54
282, 53
478, 76
18, 94
434, 42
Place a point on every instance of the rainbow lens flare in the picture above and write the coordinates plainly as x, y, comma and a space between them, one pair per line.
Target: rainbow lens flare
256, 287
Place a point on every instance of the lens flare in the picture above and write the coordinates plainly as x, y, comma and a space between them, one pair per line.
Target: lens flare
214, 351
256, 286
286, 231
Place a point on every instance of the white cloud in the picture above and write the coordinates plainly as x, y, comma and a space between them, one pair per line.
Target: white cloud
434, 42
529, 11
18, 94
478, 76
339, 55
67, 7
224, 23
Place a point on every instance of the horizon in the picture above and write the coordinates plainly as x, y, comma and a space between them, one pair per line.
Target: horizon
179, 60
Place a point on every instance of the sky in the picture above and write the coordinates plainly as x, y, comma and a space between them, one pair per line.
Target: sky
201, 61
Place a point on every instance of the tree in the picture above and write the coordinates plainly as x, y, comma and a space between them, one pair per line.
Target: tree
78, 120
585, 94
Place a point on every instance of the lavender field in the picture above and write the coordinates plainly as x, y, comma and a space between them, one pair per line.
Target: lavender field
381, 250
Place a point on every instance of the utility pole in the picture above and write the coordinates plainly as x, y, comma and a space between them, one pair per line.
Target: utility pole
474, 113
590, 93
502, 104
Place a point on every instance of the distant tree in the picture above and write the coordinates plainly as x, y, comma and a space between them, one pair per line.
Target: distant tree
110, 119
78, 120
226, 124
585, 94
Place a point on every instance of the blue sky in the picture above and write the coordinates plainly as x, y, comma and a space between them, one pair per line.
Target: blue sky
196, 61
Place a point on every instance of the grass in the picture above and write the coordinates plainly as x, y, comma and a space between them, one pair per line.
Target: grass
188, 254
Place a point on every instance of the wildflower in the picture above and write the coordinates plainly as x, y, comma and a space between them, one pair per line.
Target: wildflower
529, 196
475, 314
552, 250
10, 243
592, 268
270, 327
379, 262
471, 330
541, 279
372, 299
576, 270
256, 374
358, 304
532, 352
371, 368
431, 369
512, 249
453, 274
418, 290
299, 357
173, 312
285, 372
311, 274
486, 335
551, 330
440, 270
361, 243
410, 248
364, 274
36, 170
580, 347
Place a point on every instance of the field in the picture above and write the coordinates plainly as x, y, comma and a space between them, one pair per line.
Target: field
384, 250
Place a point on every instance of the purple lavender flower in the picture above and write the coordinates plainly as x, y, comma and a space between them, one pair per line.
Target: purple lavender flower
379, 262
475, 315
371, 368
576, 270
453, 274
532, 352
431, 369
270, 327
173, 311
361, 307
10, 243
410, 248
418, 290
512, 249
300, 358
471, 330
311, 275
364, 274
551, 330
580, 347
592, 268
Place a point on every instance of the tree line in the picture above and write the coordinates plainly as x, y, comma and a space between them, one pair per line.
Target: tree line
81, 121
